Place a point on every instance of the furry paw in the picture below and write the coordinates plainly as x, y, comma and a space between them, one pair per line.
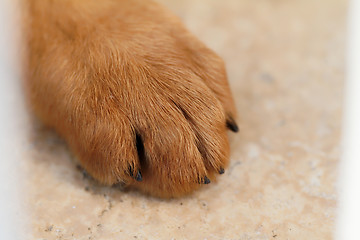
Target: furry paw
137, 97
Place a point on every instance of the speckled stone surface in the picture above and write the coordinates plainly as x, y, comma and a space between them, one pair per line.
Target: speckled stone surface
285, 63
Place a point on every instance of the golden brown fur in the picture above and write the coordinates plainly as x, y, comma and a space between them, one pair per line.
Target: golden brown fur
130, 89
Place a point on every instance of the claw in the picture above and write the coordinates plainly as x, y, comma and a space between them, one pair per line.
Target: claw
206, 180
231, 124
221, 171
138, 176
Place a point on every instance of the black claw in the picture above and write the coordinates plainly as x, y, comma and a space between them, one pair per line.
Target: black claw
231, 124
138, 176
206, 180
221, 171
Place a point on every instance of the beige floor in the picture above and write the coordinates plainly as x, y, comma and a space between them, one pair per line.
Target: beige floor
285, 62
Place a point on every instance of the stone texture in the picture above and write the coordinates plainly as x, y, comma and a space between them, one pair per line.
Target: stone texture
285, 63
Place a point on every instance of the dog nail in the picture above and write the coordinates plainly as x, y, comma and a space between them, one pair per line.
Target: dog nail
206, 180
138, 176
221, 171
231, 124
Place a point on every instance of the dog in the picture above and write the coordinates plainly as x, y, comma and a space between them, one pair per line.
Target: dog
138, 98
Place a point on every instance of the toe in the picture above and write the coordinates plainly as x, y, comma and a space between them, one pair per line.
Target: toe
107, 150
207, 119
173, 165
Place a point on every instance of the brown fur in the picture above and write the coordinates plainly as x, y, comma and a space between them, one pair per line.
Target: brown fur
130, 89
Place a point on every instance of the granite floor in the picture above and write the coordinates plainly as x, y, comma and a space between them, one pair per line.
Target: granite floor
285, 62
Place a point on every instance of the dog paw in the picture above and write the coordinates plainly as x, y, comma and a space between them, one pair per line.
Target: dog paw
139, 99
